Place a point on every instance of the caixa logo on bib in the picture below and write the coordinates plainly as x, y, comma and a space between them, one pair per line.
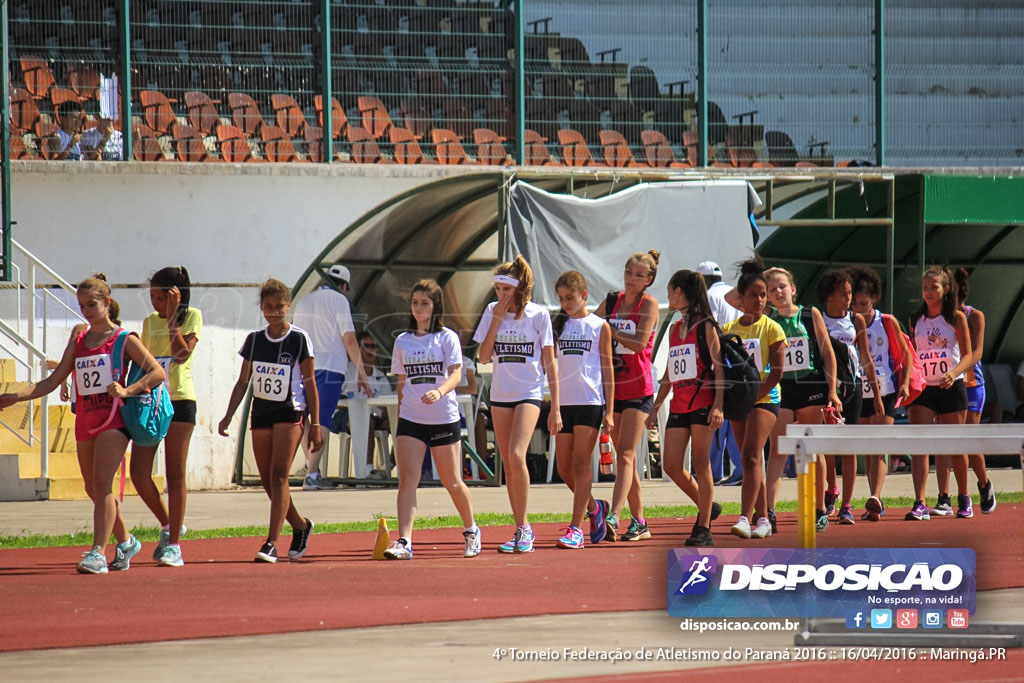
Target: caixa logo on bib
798, 582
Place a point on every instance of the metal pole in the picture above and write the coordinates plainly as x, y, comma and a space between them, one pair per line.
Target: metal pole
702, 82
890, 246
880, 83
806, 464
326, 65
125, 79
5, 133
520, 81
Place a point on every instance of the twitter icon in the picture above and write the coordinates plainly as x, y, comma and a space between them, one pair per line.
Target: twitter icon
881, 618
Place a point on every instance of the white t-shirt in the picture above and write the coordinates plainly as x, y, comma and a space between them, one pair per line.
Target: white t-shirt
326, 316
579, 362
518, 374
721, 310
878, 347
379, 383
424, 360
938, 348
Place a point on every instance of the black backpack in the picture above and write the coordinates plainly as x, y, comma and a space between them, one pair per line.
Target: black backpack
742, 379
846, 375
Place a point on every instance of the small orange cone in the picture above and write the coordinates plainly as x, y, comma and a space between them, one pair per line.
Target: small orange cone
383, 539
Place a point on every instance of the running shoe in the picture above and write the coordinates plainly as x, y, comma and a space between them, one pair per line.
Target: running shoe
987, 499
943, 506
525, 543
821, 523
599, 522
831, 496
873, 509
773, 522
316, 483
267, 553
846, 515
165, 538
300, 541
171, 556
716, 510
398, 550
964, 510
93, 563
472, 542
700, 537
741, 528
573, 538
763, 528
733, 480
918, 513
510, 546
637, 531
124, 552
611, 528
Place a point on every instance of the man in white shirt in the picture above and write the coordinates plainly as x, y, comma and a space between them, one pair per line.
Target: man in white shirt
326, 316
723, 313
379, 385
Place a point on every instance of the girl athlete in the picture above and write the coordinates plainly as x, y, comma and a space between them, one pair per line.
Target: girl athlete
697, 395
279, 362
586, 390
427, 358
99, 429
808, 382
765, 341
848, 328
867, 290
515, 333
632, 316
170, 333
942, 340
974, 382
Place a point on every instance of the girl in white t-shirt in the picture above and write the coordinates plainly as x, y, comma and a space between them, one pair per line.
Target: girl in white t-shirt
428, 362
587, 391
515, 334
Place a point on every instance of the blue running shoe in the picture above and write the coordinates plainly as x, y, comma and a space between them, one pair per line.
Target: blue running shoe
165, 538
510, 546
599, 521
171, 556
573, 538
124, 552
525, 542
93, 563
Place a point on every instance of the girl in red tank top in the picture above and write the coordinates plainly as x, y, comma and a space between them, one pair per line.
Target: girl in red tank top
633, 318
99, 429
697, 398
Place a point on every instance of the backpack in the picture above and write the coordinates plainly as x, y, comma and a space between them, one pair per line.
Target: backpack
742, 379
146, 416
846, 372
900, 365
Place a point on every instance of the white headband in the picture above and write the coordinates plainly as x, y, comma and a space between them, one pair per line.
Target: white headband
506, 280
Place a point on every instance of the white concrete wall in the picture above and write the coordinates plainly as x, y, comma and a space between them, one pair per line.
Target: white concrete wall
230, 225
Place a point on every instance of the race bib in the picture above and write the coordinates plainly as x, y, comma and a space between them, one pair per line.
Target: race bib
270, 380
936, 362
93, 375
165, 363
753, 348
682, 362
625, 326
798, 354
869, 391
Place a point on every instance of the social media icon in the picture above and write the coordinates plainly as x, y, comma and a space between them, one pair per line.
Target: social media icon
906, 618
881, 618
856, 618
957, 618
932, 618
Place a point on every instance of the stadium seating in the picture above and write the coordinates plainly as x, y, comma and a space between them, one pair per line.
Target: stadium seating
147, 144
37, 76
574, 148
289, 115
658, 151
536, 148
448, 148
407, 148
233, 144
339, 122
277, 145
157, 112
24, 112
245, 114
616, 151
189, 144
490, 148
202, 113
365, 149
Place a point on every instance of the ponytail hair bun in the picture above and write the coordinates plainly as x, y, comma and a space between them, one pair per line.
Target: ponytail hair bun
751, 271
649, 259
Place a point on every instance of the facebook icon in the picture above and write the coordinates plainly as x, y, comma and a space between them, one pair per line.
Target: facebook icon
855, 618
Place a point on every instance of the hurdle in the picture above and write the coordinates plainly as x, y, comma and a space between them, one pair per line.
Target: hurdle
805, 442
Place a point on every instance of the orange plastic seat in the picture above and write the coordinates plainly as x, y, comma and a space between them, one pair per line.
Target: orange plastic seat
59, 96
38, 77
489, 148
245, 113
658, 152
289, 115
147, 145
376, 120
277, 145
234, 147
574, 148
339, 122
19, 150
202, 113
364, 148
616, 150
84, 81
314, 143
448, 148
157, 111
44, 134
24, 112
407, 148
690, 142
536, 149
188, 144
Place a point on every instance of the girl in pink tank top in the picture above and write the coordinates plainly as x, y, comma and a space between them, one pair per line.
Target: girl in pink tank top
633, 318
101, 443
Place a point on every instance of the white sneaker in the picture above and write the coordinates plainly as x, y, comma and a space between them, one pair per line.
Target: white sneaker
763, 528
398, 550
742, 527
472, 542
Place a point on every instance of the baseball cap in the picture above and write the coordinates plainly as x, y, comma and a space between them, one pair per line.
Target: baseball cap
339, 272
709, 268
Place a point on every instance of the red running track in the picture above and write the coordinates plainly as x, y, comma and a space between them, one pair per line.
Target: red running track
221, 592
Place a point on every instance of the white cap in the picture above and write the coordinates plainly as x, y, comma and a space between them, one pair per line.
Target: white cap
340, 272
709, 268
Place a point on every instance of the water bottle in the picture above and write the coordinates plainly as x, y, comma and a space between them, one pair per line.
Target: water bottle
606, 453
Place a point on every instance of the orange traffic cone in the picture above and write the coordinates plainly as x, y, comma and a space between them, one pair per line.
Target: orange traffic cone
383, 539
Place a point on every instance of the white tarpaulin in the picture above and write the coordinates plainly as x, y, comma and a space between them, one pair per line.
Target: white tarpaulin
688, 222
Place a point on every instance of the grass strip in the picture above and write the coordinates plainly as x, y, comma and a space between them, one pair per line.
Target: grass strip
484, 519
